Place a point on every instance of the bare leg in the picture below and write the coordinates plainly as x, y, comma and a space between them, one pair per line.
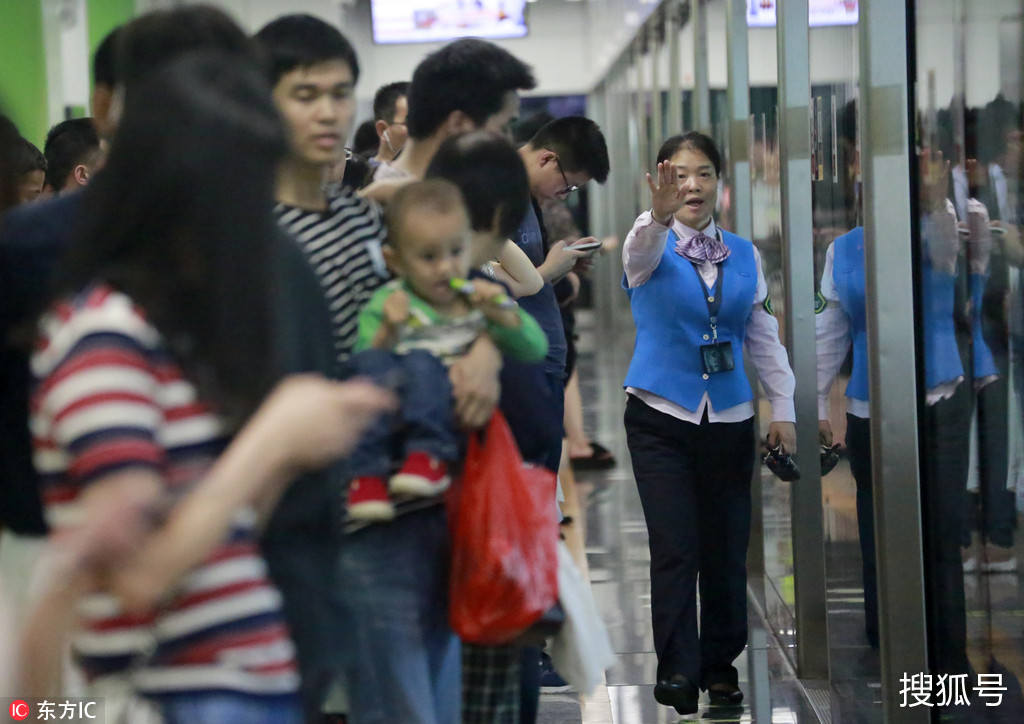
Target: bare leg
576, 437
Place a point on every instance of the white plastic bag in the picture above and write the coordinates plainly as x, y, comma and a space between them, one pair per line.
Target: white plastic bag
580, 651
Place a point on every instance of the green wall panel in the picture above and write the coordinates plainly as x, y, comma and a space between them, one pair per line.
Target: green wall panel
23, 88
104, 16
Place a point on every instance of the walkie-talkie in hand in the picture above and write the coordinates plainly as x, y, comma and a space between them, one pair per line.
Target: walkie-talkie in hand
781, 463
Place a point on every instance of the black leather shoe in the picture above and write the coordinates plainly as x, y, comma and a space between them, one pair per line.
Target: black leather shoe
678, 692
725, 694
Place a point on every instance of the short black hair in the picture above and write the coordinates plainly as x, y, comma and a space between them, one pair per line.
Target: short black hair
301, 41
492, 177
437, 195
693, 141
469, 75
104, 67
579, 144
998, 118
27, 158
152, 40
68, 144
365, 141
385, 100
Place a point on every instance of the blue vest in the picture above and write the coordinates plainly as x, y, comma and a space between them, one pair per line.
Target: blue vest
672, 322
848, 278
984, 363
941, 355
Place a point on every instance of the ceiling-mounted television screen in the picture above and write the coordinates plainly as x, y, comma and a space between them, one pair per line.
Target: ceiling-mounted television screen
424, 21
761, 13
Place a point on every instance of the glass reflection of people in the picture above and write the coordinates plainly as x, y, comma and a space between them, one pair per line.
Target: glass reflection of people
840, 325
699, 297
990, 225
946, 421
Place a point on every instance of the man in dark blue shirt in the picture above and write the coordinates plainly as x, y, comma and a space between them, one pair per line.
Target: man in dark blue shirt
562, 156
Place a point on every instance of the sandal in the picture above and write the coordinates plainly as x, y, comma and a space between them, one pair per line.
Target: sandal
600, 459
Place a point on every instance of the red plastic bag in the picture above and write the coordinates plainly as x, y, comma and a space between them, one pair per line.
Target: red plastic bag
504, 535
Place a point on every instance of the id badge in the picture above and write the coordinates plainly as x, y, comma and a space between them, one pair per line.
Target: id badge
717, 357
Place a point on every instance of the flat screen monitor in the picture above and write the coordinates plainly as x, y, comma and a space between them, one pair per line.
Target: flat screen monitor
761, 13
425, 21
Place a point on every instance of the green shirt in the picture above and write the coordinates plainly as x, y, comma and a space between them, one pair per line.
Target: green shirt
449, 338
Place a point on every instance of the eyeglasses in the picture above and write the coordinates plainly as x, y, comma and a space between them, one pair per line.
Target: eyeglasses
569, 188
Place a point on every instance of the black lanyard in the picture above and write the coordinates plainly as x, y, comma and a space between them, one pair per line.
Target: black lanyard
713, 299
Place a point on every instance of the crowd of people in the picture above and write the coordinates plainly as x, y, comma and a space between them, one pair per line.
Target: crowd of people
258, 354
240, 363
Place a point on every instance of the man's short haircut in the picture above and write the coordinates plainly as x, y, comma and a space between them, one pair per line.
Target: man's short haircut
26, 158
469, 75
385, 100
302, 41
435, 195
579, 144
69, 144
104, 67
492, 177
152, 40
692, 141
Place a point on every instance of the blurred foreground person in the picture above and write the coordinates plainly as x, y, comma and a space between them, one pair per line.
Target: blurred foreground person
151, 370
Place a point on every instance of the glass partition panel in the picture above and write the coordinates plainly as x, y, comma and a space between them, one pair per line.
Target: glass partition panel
969, 132
842, 346
780, 597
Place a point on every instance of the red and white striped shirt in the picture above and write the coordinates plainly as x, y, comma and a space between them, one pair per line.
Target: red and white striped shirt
109, 396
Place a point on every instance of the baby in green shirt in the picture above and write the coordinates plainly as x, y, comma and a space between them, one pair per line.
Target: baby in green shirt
411, 330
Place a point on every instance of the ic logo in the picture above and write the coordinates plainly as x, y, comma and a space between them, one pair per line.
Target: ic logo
19, 710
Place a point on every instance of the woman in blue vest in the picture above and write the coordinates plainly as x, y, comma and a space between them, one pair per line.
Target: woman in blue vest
840, 324
699, 298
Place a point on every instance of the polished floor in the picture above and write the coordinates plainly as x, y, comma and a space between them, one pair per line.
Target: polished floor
615, 536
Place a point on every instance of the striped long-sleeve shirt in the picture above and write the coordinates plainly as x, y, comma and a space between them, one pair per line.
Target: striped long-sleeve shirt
343, 245
110, 397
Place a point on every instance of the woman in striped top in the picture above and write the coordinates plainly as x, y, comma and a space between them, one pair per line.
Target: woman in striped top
151, 370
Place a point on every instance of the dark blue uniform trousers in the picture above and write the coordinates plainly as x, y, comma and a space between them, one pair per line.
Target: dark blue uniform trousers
694, 483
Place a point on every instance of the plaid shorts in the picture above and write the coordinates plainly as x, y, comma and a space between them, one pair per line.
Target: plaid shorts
490, 684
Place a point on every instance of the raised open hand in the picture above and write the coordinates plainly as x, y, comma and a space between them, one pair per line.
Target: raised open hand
666, 196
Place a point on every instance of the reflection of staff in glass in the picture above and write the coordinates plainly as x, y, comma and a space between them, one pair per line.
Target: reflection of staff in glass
988, 221
946, 423
840, 324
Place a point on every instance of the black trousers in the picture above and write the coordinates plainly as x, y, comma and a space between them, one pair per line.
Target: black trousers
945, 451
858, 446
993, 509
694, 483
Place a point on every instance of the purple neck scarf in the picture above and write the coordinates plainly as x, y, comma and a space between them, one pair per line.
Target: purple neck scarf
701, 248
